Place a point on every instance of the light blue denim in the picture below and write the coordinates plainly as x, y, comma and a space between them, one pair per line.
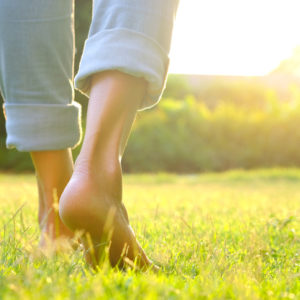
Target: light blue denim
37, 55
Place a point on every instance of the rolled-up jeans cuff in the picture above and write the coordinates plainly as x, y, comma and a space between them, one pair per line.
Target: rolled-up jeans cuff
127, 51
38, 127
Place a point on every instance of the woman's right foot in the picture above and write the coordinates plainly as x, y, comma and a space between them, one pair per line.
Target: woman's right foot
90, 206
92, 200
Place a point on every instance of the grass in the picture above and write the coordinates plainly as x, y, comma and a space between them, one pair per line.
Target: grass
233, 235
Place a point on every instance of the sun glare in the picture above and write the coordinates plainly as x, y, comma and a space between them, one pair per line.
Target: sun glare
234, 37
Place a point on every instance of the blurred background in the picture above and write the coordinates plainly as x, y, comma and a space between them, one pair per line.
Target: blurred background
233, 93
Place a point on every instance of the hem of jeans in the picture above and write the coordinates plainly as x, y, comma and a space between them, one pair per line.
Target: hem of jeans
129, 52
42, 127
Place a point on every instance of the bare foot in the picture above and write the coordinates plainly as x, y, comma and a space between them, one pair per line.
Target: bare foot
92, 200
87, 206
54, 169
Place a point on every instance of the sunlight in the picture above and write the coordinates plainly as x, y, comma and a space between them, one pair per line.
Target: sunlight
234, 37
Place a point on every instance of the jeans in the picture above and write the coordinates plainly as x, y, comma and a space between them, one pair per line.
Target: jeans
37, 55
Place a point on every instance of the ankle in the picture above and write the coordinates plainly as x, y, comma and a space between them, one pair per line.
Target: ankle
104, 171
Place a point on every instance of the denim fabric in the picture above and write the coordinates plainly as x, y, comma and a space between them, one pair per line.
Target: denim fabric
132, 36
36, 73
37, 54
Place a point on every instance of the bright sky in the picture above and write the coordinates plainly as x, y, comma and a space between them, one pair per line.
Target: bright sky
234, 37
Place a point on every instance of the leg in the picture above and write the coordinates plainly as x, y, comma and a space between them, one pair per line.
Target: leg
95, 190
131, 37
36, 84
53, 171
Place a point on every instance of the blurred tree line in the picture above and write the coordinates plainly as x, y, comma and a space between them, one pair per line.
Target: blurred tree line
210, 126
188, 136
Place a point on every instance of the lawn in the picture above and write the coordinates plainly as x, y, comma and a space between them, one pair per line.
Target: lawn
232, 235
